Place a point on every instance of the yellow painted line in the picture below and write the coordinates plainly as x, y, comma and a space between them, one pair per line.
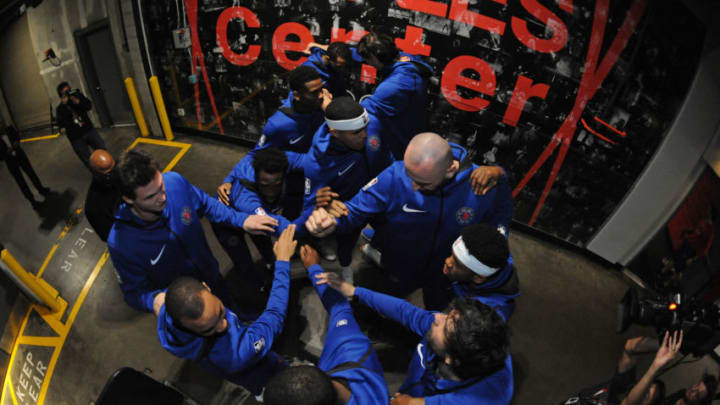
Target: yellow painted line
12, 393
39, 341
184, 147
71, 319
8, 386
51, 318
40, 138
47, 260
62, 235
177, 158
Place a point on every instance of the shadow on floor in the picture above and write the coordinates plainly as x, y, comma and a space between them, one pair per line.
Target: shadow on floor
56, 208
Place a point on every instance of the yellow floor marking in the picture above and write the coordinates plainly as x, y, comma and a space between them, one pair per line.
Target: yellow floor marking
184, 147
40, 138
12, 393
62, 235
39, 341
51, 318
47, 260
71, 319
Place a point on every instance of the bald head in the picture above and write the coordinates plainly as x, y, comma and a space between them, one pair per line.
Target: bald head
101, 161
428, 148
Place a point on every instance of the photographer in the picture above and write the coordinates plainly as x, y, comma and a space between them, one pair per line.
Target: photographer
648, 390
72, 115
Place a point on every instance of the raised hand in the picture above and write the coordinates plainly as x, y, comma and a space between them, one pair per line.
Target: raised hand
257, 224
285, 246
309, 256
336, 283
320, 223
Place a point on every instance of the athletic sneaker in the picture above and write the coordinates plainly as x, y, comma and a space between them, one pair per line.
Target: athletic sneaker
372, 254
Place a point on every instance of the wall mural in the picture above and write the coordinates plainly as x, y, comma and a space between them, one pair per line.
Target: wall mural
572, 98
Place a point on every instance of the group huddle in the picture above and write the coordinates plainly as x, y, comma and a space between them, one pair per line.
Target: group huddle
328, 167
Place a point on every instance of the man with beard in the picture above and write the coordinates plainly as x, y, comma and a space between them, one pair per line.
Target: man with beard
292, 126
343, 159
103, 196
157, 235
464, 355
418, 208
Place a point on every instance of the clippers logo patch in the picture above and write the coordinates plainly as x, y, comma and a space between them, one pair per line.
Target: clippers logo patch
260, 211
308, 187
186, 216
262, 140
342, 322
258, 345
373, 142
370, 184
502, 231
464, 215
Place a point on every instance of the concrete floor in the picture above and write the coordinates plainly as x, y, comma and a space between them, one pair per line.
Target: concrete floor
563, 328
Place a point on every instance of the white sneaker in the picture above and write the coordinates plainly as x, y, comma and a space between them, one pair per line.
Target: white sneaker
371, 253
347, 274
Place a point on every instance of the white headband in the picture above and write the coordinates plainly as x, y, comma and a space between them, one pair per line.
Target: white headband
352, 124
469, 261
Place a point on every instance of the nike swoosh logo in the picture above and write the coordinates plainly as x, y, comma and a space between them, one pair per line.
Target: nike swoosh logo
419, 350
412, 211
152, 262
343, 171
296, 140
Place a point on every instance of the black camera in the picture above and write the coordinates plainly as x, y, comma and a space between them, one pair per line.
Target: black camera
74, 93
699, 321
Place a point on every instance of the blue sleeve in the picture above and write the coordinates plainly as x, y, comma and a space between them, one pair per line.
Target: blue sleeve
416, 319
500, 214
216, 211
137, 289
391, 97
296, 161
269, 324
274, 135
332, 300
234, 173
373, 198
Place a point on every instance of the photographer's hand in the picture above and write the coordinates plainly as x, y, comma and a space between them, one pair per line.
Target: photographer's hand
668, 350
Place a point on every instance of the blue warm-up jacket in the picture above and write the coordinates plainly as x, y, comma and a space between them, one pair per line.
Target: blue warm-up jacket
415, 231
245, 199
421, 381
345, 343
289, 130
330, 163
498, 292
335, 82
149, 256
241, 354
400, 102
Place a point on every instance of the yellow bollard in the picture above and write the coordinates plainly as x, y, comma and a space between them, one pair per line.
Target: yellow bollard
130, 86
160, 105
38, 289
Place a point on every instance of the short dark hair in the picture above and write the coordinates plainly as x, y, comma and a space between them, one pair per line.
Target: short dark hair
60, 87
343, 108
270, 160
479, 342
487, 244
135, 169
711, 384
300, 385
182, 299
659, 392
301, 75
379, 44
339, 50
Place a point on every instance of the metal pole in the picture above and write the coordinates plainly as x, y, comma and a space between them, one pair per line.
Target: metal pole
139, 117
39, 291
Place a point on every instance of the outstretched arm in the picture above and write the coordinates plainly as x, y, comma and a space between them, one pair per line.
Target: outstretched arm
667, 352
